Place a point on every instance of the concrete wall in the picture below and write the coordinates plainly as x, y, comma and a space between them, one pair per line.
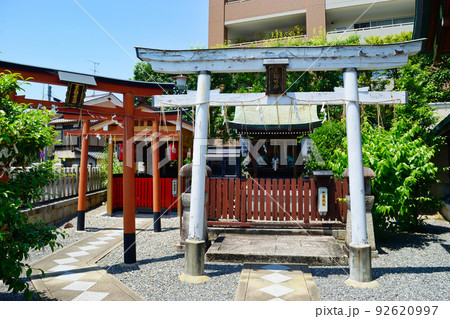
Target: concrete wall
217, 32
60, 210
257, 8
315, 17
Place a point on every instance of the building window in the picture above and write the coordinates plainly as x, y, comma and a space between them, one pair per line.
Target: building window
380, 23
362, 25
403, 20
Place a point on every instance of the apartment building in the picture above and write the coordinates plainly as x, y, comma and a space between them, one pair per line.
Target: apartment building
238, 21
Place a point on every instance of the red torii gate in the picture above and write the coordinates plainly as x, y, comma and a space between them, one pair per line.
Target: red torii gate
126, 115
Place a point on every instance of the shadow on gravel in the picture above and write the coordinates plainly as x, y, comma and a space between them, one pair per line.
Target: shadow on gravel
377, 271
163, 230
421, 239
213, 270
96, 229
325, 272
119, 268
8, 296
380, 271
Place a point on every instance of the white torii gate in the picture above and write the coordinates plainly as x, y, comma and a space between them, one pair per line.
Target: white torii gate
322, 58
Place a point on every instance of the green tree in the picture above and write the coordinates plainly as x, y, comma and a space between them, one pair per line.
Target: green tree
401, 159
117, 166
23, 133
327, 138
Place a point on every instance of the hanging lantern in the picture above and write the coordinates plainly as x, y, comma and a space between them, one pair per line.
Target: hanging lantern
172, 152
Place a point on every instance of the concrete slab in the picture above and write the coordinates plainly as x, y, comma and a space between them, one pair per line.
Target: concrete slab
276, 282
305, 249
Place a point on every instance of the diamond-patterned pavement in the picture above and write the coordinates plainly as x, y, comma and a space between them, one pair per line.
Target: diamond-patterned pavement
71, 273
277, 290
276, 282
276, 278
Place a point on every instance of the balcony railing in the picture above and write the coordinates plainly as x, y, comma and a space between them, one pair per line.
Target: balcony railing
233, 1
373, 28
265, 41
261, 42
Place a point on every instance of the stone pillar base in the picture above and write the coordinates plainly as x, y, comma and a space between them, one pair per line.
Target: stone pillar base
360, 263
193, 279
357, 284
194, 262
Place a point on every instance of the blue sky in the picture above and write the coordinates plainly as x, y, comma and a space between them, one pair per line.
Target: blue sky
59, 34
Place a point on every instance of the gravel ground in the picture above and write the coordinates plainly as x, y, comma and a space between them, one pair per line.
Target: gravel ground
155, 277
410, 266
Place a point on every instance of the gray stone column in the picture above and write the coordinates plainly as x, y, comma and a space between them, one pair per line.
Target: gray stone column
194, 250
360, 255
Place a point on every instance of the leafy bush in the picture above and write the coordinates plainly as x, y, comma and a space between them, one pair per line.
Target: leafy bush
401, 159
23, 132
117, 166
327, 138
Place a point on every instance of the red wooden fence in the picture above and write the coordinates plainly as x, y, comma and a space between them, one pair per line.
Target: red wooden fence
262, 201
144, 192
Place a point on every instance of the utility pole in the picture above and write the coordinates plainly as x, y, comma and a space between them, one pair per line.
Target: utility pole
49, 93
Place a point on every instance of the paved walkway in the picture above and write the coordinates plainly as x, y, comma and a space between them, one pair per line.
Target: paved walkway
276, 282
72, 275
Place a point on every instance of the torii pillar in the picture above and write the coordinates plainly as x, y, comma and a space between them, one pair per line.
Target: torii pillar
195, 244
359, 249
129, 206
83, 176
156, 178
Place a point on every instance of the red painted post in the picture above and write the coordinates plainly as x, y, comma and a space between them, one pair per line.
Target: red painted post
295, 200
129, 205
156, 179
83, 176
301, 200
279, 202
237, 201
268, 199
231, 198
287, 201
314, 214
225, 197
212, 198
307, 207
243, 216
261, 198
251, 212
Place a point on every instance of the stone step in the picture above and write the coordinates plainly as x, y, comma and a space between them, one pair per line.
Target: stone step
261, 248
